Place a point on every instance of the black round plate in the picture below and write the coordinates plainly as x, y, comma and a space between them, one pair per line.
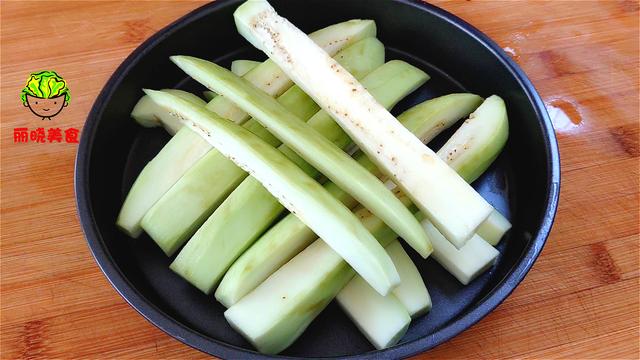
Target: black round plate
523, 183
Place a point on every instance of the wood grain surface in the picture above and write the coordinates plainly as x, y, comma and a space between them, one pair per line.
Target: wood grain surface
579, 301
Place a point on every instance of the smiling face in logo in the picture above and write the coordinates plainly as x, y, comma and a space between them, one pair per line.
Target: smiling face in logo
45, 94
46, 108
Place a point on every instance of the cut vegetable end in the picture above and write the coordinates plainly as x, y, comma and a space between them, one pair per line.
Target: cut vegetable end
326, 216
411, 292
464, 264
445, 197
144, 112
131, 230
241, 67
493, 229
382, 319
357, 28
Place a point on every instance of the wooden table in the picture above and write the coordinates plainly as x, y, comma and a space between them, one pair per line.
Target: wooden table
579, 301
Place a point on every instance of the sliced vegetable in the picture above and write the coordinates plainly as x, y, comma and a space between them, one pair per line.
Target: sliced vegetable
241, 67
148, 114
382, 319
473, 147
297, 191
157, 180
199, 192
318, 151
274, 314
390, 82
331, 39
411, 292
181, 211
183, 150
365, 306
486, 131
238, 67
429, 118
277, 246
479, 148
444, 196
470, 150
289, 236
464, 264
493, 229
316, 281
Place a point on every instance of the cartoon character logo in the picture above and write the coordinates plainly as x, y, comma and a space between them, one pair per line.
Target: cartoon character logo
45, 94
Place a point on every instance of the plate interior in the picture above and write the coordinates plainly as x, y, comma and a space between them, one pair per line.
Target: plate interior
331, 333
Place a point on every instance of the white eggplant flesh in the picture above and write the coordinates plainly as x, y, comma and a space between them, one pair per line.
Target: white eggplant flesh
241, 67
383, 320
298, 192
272, 80
493, 229
430, 118
452, 204
412, 292
464, 264
486, 130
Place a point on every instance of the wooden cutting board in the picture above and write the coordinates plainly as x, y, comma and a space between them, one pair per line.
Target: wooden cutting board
579, 301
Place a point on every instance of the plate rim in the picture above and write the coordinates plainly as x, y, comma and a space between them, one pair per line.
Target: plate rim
212, 346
